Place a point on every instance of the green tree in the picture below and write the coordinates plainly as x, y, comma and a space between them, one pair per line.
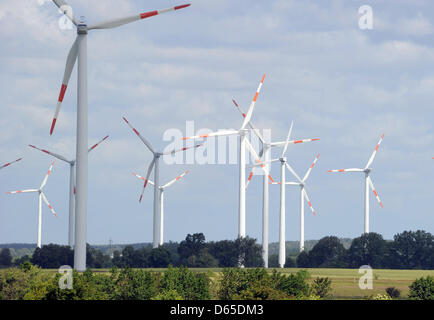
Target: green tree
303, 260
249, 252
368, 249
52, 256
234, 281
189, 285
5, 258
294, 285
192, 245
159, 257
422, 289
130, 284
225, 252
327, 253
412, 250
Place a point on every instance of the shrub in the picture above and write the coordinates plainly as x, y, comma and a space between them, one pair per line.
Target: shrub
422, 289
262, 290
294, 284
132, 284
188, 285
168, 295
380, 296
393, 292
322, 287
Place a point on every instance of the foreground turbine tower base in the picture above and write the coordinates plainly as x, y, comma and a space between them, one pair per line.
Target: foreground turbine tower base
82, 145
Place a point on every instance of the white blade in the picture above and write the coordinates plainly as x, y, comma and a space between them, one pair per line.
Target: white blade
176, 179
46, 176
281, 143
121, 21
262, 163
255, 155
23, 191
310, 168
293, 172
256, 131
371, 184
66, 10
58, 156
308, 201
182, 149
48, 204
97, 144
146, 142
287, 140
347, 170
151, 166
214, 134
374, 153
9, 163
252, 105
70, 62
143, 178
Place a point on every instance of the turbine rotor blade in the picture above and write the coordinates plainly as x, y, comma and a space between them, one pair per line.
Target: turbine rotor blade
371, 184
308, 202
287, 140
46, 176
113, 23
213, 134
347, 170
146, 142
66, 10
142, 178
70, 62
252, 105
255, 155
182, 149
310, 168
97, 144
151, 166
281, 143
48, 204
293, 172
371, 159
256, 131
9, 163
23, 191
58, 156
174, 180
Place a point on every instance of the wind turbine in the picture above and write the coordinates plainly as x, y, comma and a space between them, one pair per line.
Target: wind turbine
265, 151
71, 186
9, 163
244, 143
368, 182
155, 163
41, 197
303, 196
162, 189
79, 52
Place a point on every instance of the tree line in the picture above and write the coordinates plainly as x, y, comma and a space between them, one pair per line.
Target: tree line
407, 250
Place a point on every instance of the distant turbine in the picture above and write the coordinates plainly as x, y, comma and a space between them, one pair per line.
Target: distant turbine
155, 162
265, 151
303, 195
9, 163
71, 186
244, 143
162, 189
41, 197
368, 182
79, 52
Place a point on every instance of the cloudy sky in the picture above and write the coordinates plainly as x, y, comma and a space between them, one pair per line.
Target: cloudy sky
337, 82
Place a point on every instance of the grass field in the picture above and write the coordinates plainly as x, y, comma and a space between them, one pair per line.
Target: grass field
345, 282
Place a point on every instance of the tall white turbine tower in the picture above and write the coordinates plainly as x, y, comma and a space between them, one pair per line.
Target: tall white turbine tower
303, 196
244, 143
41, 197
162, 189
9, 163
155, 163
79, 52
71, 186
368, 183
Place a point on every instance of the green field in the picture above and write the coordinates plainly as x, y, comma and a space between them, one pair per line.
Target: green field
345, 282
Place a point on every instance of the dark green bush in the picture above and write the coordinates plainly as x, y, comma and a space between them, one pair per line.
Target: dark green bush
422, 289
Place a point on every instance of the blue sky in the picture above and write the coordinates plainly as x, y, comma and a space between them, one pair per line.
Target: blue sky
341, 84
